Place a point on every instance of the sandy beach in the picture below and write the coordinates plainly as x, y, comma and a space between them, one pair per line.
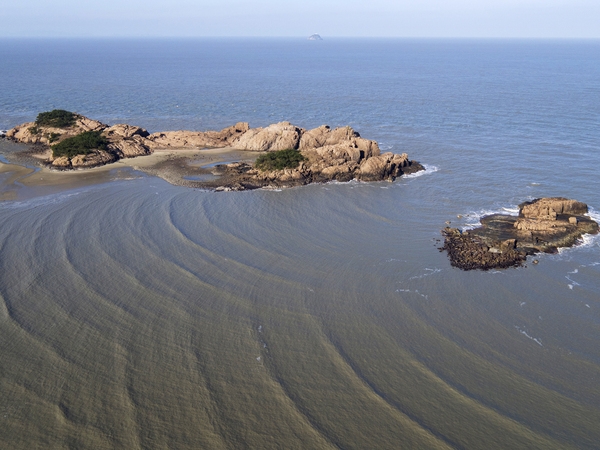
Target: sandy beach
22, 170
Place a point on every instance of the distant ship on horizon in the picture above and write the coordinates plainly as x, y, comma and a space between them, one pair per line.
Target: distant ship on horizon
315, 37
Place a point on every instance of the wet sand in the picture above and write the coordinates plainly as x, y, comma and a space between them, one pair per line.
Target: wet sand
10, 174
22, 170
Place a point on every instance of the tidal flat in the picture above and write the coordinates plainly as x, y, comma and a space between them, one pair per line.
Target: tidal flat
137, 314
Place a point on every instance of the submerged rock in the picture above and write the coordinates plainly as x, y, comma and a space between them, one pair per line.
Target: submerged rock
543, 225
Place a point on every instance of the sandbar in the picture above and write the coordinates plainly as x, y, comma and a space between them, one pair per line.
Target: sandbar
22, 170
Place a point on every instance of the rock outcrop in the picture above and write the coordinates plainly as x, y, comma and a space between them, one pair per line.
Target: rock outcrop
550, 208
543, 225
339, 162
124, 141
339, 154
384, 167
197, 139
330, 154
30, 133
279, 136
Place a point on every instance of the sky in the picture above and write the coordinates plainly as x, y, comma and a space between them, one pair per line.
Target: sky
330, 18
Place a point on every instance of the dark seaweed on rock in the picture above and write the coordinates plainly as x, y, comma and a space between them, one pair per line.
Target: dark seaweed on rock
469, 252
543, 225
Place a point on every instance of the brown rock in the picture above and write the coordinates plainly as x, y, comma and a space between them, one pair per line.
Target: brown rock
539, 224
339, 171
543, 225
93, 159
279, 136
314, 138
130, 148
324, 136
338, 154
386, 166
197, 139
124, 131
374, 168
30, 133
62, 163
549, 208
508, 244
226, 136
85, 124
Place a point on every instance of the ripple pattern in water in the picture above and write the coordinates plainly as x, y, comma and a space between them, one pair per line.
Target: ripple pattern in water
142, 315
137, 314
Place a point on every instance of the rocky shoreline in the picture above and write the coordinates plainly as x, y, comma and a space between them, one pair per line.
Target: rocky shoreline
502, 241
339, 154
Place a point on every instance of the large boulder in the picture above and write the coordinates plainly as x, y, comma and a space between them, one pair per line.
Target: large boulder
85, 124
93, 159
62, 162
382, 167
127, 141
549, 208
549, 215
122, 130
325, 136
279, 136
227, 136
130, 147
31, 133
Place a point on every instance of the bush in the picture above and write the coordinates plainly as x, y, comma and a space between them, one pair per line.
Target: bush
53, 137
58, 118
82, 144
279, 160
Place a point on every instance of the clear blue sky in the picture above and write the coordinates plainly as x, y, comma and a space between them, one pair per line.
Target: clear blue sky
401, 18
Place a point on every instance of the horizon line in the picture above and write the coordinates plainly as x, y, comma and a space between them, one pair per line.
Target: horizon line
305, 37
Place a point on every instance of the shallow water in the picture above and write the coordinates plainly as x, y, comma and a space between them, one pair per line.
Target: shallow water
136, 314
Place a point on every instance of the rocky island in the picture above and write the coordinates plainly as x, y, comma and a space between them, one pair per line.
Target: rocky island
543, 225
65, 141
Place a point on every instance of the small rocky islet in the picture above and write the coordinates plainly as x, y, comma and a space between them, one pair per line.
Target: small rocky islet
502, 241
319, 155
338, 154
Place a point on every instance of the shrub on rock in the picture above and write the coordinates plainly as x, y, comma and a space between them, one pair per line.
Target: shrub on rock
82, 144
57, 118
279, 160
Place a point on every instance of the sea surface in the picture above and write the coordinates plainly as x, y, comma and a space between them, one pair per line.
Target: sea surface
137, 314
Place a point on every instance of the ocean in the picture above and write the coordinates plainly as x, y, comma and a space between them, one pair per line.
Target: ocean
137, 314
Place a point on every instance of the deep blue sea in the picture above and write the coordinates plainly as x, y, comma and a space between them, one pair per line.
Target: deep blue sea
135, 277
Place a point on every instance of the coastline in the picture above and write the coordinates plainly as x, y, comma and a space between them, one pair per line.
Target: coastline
289, 155
24, 168
207, 168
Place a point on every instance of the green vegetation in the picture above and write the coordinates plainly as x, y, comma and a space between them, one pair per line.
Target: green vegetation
58, 118
53, 137
34, 130
279, 160
82, 144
